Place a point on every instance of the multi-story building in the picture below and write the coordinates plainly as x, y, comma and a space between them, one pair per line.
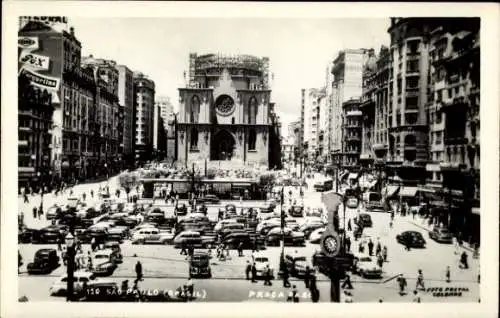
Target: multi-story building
73, 92
225, 113
144, 89
166, 108
351, 135
294, 133
454, 122
35, 119
367, 107
126, 100
347, 84
314, 98
409, 91
108, 114
303, 145
171, 151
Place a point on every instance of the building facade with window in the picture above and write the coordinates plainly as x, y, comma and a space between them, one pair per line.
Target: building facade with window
225, 111
109, 115
314, 100
126, 100
347, 71
144, 89
35, 120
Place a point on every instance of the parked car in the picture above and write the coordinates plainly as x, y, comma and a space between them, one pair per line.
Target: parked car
199, 265
59, 287
366, 266
52, 234
296, 210
364, 220
117, 233
211, 198
292, 224
44, 261
156, 215
411, 239
230, 227
230, 208
151, 236
261, 262
53, 212
115, 246
274, 236
27, 235
104, 262
310, 227
235, 238
222, 223
188, 238
441, 235
296, 264
315, 236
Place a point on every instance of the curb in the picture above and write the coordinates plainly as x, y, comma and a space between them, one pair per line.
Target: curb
426, 229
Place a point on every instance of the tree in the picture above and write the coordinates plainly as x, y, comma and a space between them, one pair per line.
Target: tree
128, 181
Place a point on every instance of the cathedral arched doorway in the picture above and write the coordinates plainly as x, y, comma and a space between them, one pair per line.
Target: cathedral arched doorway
222, 146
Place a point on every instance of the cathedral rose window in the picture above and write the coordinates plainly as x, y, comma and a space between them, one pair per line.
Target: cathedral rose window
224, 104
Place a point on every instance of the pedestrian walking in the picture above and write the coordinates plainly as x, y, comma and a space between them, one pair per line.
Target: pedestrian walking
184, 251
240, 249
254, 273
390, 224
92, 196
84, 196
361, 247
420, 280
384, 253
26, 200
248, 270
138, 271
349, 227
267, 276
457, 247
380, 260
464, 261
378, 248
34, 213
286, 278
402, 284
448, 274
89, 261
313, 288
307, 276
347, 282
370, 247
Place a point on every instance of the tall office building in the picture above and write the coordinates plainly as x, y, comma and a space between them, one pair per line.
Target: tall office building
126, 100
314, 100
347, 84
166, 108
144, 89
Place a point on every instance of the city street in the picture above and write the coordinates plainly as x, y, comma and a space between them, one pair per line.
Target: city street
163, 264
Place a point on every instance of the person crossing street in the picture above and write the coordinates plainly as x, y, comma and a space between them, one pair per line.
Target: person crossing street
248, 270
420, 280
370, 247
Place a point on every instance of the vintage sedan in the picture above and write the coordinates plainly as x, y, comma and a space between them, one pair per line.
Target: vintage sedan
315, 236
44, 262
211, 198
294, 238
188, 238
104, 262
411, 239
151, 236
441, 235
366, 266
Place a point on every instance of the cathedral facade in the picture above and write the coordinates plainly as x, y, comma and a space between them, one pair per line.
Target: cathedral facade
225, 114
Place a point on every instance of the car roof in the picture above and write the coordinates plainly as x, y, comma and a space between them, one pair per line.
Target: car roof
104, 252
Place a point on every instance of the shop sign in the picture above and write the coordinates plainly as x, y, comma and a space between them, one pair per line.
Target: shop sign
42, 81
34, 60
28, 42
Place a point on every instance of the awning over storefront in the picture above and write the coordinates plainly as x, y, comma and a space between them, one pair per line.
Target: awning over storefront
408, 191
390, 191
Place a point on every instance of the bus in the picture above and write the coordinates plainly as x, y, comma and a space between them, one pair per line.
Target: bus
322, 185
373, 201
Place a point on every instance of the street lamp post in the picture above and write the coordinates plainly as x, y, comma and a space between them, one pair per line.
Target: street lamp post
282, 215
70, 254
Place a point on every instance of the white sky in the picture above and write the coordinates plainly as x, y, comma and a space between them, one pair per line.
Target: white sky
299, 48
